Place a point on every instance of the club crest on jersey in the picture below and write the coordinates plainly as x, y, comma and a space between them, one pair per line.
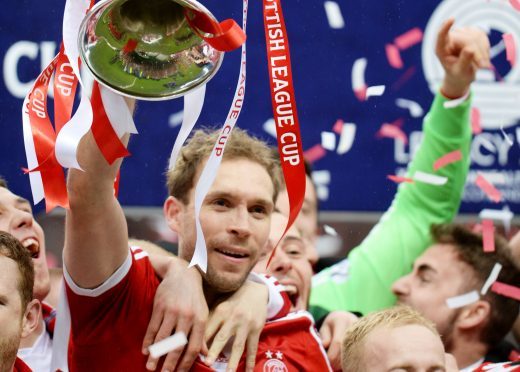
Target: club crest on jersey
274, 362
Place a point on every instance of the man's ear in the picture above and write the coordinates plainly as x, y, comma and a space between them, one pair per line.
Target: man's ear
474, 315
31, 318
172, 210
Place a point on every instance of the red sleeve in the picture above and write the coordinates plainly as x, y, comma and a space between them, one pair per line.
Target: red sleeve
111, 320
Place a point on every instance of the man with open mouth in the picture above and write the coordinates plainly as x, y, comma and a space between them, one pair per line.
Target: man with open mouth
17, 219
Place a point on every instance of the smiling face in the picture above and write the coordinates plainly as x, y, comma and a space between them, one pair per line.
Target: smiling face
289, 264
437, 275
235, 220
17, 219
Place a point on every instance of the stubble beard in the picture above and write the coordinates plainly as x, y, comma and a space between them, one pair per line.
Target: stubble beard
8, 350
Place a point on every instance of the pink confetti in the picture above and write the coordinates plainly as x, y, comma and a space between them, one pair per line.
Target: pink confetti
409, 38
506, 290
338, 126
392, 131
490, 190
315, 153
510, 48
404, 78
515, 4
476, 128
449, 158
361, 93
398, 122
399, 179
393, 56
488, 235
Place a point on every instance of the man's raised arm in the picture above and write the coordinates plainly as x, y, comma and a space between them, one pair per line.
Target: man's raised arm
96, 234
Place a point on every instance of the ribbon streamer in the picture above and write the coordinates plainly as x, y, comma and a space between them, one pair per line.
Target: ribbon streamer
284, 108
200, 255
52, 175
227, 35
68, 138
104, 134
35, 178
193, 102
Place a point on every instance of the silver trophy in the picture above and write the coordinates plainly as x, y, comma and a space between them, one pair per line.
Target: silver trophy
146, 49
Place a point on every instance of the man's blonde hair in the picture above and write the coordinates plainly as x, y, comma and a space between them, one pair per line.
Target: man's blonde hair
355, 336
240, 144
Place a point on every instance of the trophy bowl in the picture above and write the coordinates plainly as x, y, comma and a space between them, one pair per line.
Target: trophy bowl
146, 49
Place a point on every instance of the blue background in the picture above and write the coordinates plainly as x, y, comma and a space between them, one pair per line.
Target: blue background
322, 61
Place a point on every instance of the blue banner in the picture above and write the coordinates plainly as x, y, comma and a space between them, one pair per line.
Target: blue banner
391, 43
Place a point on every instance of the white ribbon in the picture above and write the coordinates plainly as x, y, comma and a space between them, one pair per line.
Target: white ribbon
68, 139
200, 255
117, 112
193, 102
60, 340
35, 178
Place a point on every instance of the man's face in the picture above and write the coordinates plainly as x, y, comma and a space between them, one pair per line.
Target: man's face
307, 220
289, 264
17, 219
412, 348
437, 275
235, 218
10, 312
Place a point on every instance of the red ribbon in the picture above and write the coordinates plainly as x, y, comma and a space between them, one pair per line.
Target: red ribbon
284, 108
106, 138
65, 84
44, 137
227, 35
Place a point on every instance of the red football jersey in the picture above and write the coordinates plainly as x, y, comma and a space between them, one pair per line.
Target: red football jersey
108, 325
20, 366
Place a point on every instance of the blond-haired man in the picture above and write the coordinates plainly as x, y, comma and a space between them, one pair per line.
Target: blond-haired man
394, 339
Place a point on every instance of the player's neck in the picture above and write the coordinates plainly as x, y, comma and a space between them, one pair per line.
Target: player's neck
213, 297
467, 353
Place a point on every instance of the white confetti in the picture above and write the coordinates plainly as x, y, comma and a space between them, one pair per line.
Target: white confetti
322, 192
175, 119
506, 136
321, 177
328, 141
463, 300
334, 15
346, 139
358, 74
329, 230
430, 178
270, 127
168, 344
456, 102
493, 276
415, 109
375, 91
496, 49
504, 215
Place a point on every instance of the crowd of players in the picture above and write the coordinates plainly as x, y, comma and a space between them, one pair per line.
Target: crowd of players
384, 308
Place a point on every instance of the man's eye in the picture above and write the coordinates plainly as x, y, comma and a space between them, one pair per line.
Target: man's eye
259, 210
424, 279
220, 202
